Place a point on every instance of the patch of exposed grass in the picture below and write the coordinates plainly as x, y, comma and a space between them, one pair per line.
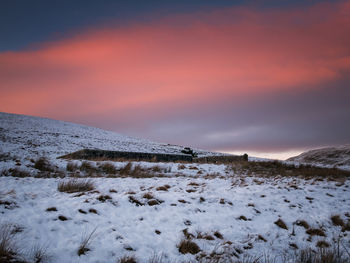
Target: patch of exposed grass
108, 168
87, 167
273, 168
127, 259
187, 246
217, 234
51, 209
72, 167
8, 248
322, 255
75, 185
135, 201
337, 220
280, 223
39, 254
85, 243
103, 198
43, 164
148, 196
315, 232
302, 223
16, 172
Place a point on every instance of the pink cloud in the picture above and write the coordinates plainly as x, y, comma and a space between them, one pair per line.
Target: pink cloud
236, 52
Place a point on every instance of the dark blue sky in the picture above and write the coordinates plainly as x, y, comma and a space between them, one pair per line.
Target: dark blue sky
23, 24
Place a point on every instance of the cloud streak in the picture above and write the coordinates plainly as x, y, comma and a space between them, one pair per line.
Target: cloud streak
142, 78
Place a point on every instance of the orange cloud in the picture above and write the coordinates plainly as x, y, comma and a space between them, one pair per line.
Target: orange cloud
235, 52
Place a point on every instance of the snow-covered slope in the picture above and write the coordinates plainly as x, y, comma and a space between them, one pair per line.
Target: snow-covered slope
330, 156
31, 137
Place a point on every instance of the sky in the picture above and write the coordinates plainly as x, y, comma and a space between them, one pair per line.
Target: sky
268, 79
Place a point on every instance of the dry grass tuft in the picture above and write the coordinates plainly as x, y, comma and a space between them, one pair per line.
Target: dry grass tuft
92, 210
322, 244
87, 167
322, 255
315, 232
72, 167
127, 259
337, 220
8, 248
217, 234
302, 223
268, 169
162, 188
19, 173
85, 243
43, 165
148, 196
133, 200
187, 246
108, 168
280, 223
75, 185
39, 254
103, 198
126, 170
51, 209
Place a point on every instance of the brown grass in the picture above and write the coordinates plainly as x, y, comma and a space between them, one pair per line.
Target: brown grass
337, 220
87, 167
322, 255
302, 223
19, 173
103, 198
153, 202
135, 201
148, 196
72, 167
273, 168
75, 185
8, 248
85, 243
43, 165
127, 259
108, 168
217, 234
280, 223
162, 188
315, 232
51, 209
39, 254
322, 244
187, 246
126, 170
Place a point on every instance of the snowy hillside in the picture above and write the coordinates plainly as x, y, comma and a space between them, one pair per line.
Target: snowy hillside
331, 156
30, 137
57, 210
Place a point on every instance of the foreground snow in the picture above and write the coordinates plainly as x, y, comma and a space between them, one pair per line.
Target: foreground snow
242, 209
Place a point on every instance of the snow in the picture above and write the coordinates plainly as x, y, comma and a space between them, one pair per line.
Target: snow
121, 224
202, 198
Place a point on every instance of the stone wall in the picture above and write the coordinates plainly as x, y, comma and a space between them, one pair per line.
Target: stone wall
88, 154
91, 154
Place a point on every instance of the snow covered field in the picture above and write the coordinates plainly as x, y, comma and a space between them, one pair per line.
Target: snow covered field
156, 212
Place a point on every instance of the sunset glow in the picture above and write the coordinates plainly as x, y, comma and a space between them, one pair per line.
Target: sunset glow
189, 74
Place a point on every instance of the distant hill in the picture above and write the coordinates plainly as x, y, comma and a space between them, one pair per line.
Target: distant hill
31, 137
334, 156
